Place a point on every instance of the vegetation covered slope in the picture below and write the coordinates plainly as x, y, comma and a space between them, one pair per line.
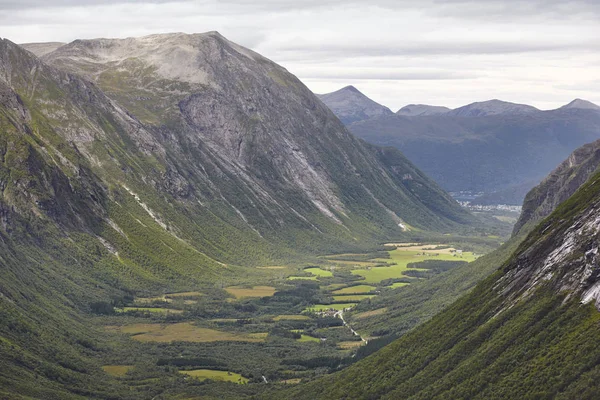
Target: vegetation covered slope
173, 180
530, 330
559, 185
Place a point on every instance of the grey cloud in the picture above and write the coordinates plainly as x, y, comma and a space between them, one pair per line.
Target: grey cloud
389, 75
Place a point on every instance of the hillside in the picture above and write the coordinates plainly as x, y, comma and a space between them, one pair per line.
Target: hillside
421, 110
350, 105
559, 185
169, 163
487, 153
492, 107
530, 330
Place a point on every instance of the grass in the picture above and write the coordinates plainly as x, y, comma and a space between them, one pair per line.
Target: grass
353, 297
310, 278
398, 284
183, 332
255, 291
358, 289
117, 370
292, 381
306, 338
291, 317
323, 307
402, 256
215, 375
154, 310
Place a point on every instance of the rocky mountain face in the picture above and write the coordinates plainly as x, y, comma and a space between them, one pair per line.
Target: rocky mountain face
421, 110
350, 105
561, 184
529, 330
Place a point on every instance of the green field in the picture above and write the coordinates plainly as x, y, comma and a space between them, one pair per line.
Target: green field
358, 289
117, 370
323, 307
353, 297
401, 257
225, 376
397, 285
319, 272
293, 278
306, 338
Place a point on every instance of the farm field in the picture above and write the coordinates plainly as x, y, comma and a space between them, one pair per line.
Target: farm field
117, 370
319, 272
353, 297
404, 255
306, 338
215, 375
256, 291
183, 332
358, 289
371, 313
293, 317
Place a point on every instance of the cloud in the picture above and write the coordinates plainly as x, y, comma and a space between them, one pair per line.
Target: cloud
449, 52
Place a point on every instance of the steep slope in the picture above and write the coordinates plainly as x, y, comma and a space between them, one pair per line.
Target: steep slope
416, 110
492, 107
559, 185
486, 153
212, 102
350, 105
530, 330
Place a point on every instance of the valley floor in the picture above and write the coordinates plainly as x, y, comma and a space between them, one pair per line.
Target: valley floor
296, 324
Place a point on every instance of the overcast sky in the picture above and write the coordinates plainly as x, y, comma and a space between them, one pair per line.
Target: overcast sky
454, 52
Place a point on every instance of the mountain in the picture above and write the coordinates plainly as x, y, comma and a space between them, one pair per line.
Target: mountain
350, 105
581, 104
41, 49
530, 330
169, 163
485, 153
559, 185
492, 107
416, 110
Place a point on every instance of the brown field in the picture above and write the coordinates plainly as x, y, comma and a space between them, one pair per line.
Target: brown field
256, 291
117, 370
183, 294
290, 317
372, 313
184, 332
350, 344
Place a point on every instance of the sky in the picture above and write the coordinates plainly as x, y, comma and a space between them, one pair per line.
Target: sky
440, 52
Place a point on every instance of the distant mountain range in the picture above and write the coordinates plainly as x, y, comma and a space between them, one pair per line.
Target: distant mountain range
350, 105
492, 146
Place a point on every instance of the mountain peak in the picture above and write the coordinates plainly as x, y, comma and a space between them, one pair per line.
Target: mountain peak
351, 105
581, 104
421, 110
492, 107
